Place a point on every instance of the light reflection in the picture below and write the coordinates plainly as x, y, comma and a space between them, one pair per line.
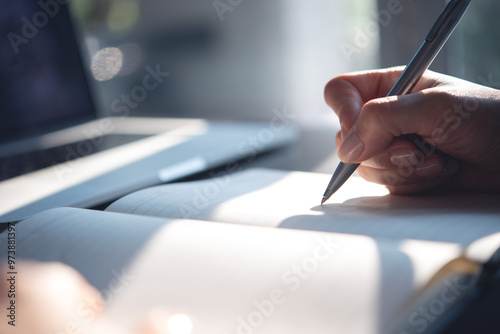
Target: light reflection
162, 321
179, 324
107, 63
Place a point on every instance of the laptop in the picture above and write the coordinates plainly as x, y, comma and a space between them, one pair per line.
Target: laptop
57, 150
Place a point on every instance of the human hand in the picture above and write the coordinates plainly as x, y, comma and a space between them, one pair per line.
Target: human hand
54, 298
458, 118
48, 298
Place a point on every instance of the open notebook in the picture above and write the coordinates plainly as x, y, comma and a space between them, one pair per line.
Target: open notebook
374, 263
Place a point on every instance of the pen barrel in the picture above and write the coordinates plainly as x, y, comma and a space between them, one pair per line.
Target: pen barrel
415, 69
435, 40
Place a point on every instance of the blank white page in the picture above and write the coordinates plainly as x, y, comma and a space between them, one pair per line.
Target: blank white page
220, 273
231, 278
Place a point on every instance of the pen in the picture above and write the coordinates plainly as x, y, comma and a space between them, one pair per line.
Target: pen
433, 43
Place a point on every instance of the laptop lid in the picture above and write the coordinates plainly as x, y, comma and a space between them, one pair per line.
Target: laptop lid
43, 84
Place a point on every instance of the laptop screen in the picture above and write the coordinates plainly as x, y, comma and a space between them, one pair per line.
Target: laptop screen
43, 85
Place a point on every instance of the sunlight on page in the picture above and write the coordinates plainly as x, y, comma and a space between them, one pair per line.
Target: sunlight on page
224, 278
423, 255
274, 198
293, 195
481, 250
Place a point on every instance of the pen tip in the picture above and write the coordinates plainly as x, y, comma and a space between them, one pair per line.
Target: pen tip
323, 200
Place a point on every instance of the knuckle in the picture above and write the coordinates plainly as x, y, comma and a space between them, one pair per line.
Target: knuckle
375, 112
444, 104
442, 97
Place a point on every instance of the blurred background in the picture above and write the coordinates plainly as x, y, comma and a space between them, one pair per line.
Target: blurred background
240, 59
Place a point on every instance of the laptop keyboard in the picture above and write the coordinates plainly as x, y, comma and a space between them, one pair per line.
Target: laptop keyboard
20, 164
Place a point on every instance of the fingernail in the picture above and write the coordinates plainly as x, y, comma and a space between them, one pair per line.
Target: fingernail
429, 168
403, 157
351, 147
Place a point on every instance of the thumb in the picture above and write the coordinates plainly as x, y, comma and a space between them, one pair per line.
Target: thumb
383, 119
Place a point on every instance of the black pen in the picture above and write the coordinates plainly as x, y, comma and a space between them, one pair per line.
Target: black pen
433, 43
